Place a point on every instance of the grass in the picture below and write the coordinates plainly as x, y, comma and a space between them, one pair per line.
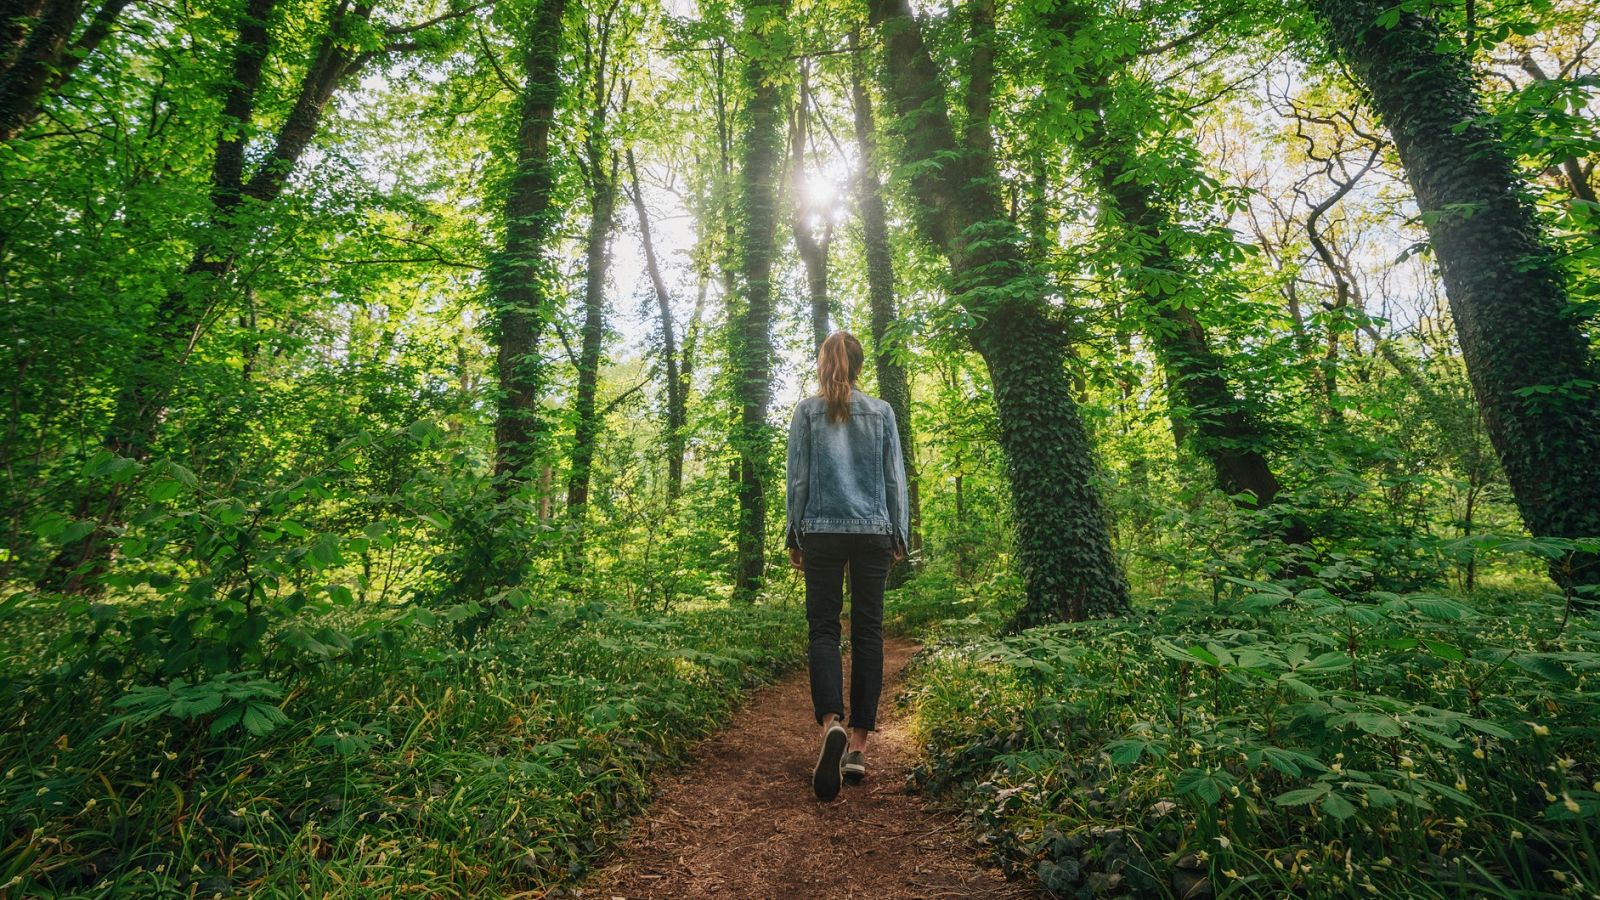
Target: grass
410, 767
1273, 742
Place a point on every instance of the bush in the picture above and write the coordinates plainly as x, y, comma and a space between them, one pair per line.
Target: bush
421, 767
1279, 741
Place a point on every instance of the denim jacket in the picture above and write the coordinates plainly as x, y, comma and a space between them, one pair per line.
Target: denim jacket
846, 477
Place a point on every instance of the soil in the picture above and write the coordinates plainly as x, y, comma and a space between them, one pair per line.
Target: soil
742, 821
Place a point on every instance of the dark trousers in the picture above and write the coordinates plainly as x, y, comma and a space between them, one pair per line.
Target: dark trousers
869, 557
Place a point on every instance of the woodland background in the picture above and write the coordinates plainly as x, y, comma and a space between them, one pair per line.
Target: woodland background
392, 460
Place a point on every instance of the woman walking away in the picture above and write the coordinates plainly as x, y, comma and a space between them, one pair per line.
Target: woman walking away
847, 505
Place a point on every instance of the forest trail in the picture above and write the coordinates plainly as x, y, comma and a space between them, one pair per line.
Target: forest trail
742, 821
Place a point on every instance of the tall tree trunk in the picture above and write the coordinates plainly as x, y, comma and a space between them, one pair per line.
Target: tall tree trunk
141, 401
1063, 541
893, 385
516, 274
600, 165
39, 62
16, 17
810, 247
762, 140
1529, 362
813, 251
1210, 415
25, 81
675, 380
586, 430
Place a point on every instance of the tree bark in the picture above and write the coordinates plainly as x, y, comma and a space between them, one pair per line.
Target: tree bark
141, 401
15, 19
516, 275
600, 165
40, 61
586, 430
1534, 374
813, 251
1063, 541
676, 386
762, 140
28, 77
893, 385
1209, 414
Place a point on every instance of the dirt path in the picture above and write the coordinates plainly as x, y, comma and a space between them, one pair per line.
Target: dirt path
741, 820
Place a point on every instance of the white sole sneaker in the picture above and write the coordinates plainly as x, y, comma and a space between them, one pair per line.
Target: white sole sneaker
854, 768
826, 777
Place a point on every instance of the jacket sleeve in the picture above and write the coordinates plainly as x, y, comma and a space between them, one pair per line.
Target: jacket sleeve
798, 482
894, 481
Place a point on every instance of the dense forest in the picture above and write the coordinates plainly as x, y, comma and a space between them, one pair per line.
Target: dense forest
392, 475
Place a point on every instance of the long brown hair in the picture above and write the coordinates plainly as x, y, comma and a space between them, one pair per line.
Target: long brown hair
838, 365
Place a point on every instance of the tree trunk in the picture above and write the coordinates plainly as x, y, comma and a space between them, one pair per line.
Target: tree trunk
586, 431
893, 385
25, 81
1208, 413
140, 403
752, 325
600, 165
39, 62
1527, 357
15, 19
675, 386
813, 251
516, 274
1063, 542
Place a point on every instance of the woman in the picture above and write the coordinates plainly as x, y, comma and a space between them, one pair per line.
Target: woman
847, 505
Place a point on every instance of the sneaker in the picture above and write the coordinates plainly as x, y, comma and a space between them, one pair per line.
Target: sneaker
854, 768
825, 779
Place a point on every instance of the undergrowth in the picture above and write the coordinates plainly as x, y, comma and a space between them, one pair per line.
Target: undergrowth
1274, 741
415, 767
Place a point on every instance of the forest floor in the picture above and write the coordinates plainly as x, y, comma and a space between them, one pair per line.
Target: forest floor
741, 819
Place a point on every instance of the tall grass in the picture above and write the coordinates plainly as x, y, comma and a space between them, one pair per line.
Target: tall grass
412, 767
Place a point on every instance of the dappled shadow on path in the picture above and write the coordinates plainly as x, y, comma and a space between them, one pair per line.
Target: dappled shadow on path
741, 820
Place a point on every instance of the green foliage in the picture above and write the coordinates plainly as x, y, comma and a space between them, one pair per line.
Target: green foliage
421, 766
317, 644
1276, 740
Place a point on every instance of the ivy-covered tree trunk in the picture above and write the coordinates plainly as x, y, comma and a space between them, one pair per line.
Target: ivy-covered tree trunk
676, 379
762, 144
1536, 379
16, 17
586, 430
517, 292
141, 400
1212, 416
1208, 415
41, 59
812, 249
893, 386
1063, 542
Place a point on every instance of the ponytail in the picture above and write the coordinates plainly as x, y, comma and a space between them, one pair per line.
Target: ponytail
838, 365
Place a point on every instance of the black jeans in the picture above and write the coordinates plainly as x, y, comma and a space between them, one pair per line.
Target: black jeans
869, 556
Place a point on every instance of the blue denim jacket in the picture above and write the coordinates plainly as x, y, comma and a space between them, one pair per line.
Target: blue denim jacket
846, 477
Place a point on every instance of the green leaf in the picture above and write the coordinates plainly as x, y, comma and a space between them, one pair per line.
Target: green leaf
1545, 667
1444, 650
1302, 796
1125, 753
164, 489
1337, 806
77, 531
